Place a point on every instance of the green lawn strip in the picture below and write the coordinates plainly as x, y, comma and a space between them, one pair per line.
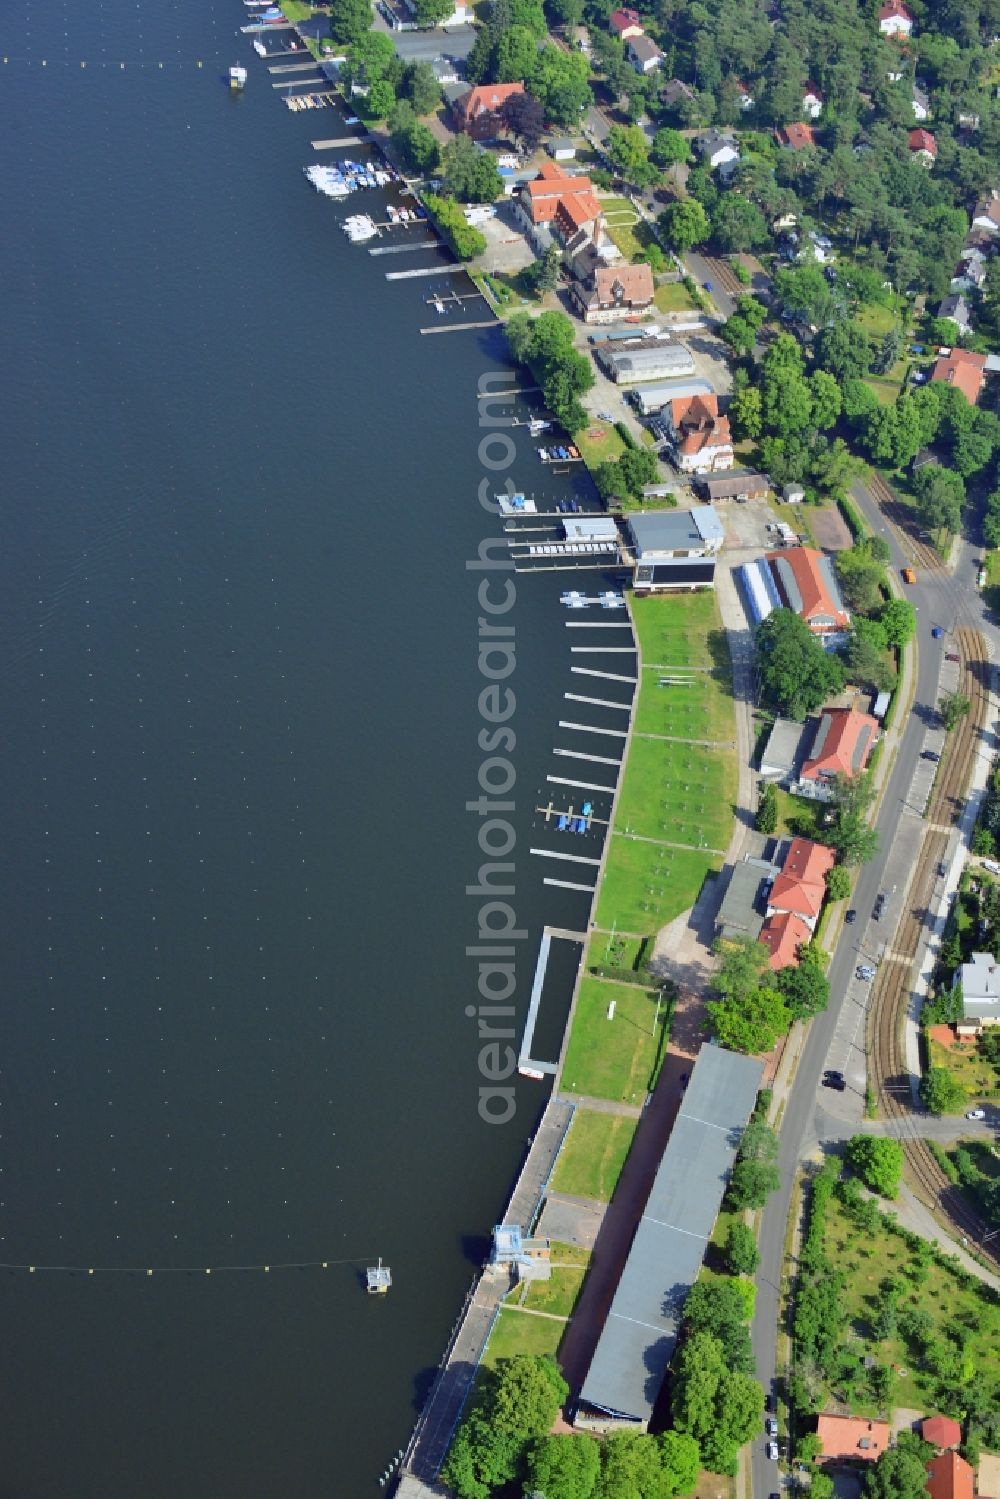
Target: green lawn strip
515, 1333
875, 319
886, 390
645, 885
971, 1069
569, 1254
939, 1292
612, 1058
673, 296
630, 233
699, 708
679, 630
598, 443
594, 1154
793, 809
680, 793
558, 1294
295, 10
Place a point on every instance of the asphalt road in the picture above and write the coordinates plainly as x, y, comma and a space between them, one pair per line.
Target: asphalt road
699, 268
946, 600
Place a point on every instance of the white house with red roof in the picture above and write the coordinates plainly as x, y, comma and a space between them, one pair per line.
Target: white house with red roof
700, 437
801, 579
558, 205
625, 23
842, 746
923, 146
894, 19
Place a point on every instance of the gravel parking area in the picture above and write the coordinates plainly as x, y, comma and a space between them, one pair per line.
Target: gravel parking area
746, 525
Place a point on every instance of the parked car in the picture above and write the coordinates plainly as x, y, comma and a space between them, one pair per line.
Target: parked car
851, 917
952, 656
976, 1114
836, 1083
992, 866
833, 1072
865, 972
772, 1451
771, 1426
930, 755
909, 576
942, 869
937, 632
879, 905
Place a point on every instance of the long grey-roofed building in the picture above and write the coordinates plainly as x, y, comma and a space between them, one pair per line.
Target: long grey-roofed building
640, 1334
654, 397
658, 361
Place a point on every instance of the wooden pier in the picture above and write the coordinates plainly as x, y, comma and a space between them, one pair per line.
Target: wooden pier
422, 244
295, 67
345, 140
444, 1406
425, 270
458, 327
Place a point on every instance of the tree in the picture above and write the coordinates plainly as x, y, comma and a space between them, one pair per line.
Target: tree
845, 350
805, 989
865, 655
680, 1462
838, 883
751, 1024
826, 402
899, 621
349, 20
669, 149
421, 88
953, 707
940, 496
627, 476
431, 12
471, 175
941, 1092
796, 674
860, 578
545, 345
413, 139
464, 238
805, 293
850, 833
767, 810
742, 1254
898, 1474
684, 225
745, 412
744, 964
628, 152
738, 225
879, 1163
561, 81
516, 54
544, 274
888, 352
380, 100
480, 1459
751, 1184
524, 117
719, 1307
563, 1467
630, 1464
719, 1407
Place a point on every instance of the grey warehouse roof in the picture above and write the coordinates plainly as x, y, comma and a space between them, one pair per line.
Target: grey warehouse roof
675, 530
742, 910
640, 1334
643, 364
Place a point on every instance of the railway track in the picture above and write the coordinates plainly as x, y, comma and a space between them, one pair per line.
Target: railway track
901, 518
891, 997
724, 278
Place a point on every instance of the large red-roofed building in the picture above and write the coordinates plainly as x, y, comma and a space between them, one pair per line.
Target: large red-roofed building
806, 584
963, 369
842, 746
949, 1476
479, 110
843, 1437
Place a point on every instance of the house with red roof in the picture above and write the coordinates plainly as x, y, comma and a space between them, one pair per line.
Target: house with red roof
796, 137
800, 888
842, 1437
558, 205
949, 1476
700, 437
745, 96
804, 581
842, 746
610, 292
894, 19
941, 1431
922, 145
478, 110
962, 368
625, 23
783, 935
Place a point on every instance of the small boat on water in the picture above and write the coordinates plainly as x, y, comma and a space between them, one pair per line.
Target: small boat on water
258, 47
237, 78
516, 504
536, 426
359, 227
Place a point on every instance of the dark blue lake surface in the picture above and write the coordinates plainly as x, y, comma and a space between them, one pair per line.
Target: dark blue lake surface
238, 664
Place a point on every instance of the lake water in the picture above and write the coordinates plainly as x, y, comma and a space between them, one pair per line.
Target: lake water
238, 657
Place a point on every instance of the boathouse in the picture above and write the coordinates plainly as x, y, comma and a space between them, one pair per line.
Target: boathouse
640, 1334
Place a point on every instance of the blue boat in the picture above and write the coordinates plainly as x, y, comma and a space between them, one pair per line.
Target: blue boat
563, 823
588, 808
579, 825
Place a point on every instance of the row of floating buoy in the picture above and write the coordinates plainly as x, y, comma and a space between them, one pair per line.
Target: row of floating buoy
43, 62
391, 1469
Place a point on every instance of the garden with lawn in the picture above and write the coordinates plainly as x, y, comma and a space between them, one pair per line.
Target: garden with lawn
592, 1158
598, 443
645, 885
617, 1058
629, 231
680, 630
517, 1332
698, 706
679, 793
928, 1326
